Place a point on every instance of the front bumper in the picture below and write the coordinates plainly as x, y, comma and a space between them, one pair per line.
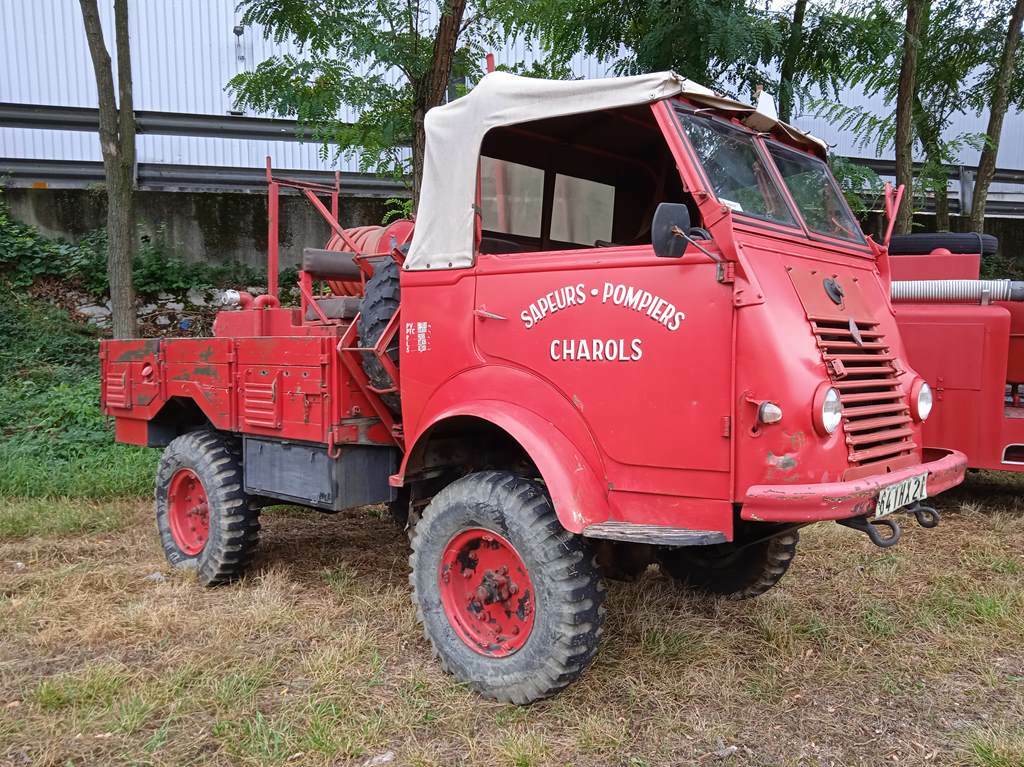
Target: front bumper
841, 500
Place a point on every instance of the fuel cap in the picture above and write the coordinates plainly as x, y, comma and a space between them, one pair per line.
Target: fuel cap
834, 290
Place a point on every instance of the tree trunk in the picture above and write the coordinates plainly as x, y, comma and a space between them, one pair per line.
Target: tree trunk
942, 208
788, 68
916, 11
930, 134
419, 146
1000, 98
429, 91
117, 144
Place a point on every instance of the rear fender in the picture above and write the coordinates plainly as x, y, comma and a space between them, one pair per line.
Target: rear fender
567, 466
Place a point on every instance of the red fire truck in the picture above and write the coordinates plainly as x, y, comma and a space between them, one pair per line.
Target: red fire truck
966, 336
633, 321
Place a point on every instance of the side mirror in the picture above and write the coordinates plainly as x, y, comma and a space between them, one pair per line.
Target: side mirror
669, 229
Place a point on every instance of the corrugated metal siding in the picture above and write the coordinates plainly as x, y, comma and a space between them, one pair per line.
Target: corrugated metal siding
1011, 144
185, 51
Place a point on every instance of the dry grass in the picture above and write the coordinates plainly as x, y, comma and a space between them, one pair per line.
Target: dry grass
908, 656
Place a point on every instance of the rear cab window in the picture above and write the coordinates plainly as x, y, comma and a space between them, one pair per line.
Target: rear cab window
583, 180
512, 201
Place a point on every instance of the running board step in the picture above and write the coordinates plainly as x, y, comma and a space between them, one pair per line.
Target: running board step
656, 534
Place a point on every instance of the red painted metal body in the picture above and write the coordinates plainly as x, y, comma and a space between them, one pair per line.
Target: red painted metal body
973, 356
629, 416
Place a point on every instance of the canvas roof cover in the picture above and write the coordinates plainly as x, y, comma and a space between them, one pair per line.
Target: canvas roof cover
443, 238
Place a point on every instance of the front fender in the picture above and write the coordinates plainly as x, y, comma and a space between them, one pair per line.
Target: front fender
575, 484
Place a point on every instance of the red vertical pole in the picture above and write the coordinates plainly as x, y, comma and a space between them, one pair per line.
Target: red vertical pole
490, 62
272, 232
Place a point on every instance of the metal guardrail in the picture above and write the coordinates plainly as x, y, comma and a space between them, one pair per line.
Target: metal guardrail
81, 174
45, 117
888, 168
77, 174
159, 176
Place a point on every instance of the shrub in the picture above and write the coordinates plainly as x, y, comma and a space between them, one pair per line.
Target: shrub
26, 255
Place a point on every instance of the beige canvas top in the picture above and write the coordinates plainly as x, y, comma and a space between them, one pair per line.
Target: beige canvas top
443, 238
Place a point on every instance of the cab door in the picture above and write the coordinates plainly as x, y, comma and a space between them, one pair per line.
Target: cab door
640, 345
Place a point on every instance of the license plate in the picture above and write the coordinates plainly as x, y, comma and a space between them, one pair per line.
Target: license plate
902, 494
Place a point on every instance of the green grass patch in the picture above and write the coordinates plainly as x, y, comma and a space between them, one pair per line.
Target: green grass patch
990, 748
54, 441
96, 687
21, 518
239, 688
259, 737
673, 645
878, 621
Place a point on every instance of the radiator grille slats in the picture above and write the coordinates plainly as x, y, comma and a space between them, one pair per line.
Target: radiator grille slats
876, 416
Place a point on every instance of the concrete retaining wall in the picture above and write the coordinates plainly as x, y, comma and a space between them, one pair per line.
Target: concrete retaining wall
198, 226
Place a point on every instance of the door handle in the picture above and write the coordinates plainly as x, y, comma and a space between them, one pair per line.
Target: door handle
486, 315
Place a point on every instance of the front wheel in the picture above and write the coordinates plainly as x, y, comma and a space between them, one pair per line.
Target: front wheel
511, 602
205, 520
731, 569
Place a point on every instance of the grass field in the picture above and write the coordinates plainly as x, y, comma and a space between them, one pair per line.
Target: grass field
861, 656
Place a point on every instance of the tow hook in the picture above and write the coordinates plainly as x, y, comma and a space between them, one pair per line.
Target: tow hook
870, 528
926, 516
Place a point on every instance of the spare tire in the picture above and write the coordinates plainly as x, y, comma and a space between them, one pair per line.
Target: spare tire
954, 242
379, 306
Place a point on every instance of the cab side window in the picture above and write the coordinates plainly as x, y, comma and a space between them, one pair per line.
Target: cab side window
511, 197
582, 210
591, 180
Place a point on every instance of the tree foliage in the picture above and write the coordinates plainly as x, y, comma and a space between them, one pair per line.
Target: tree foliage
720, 43
959, 41
385, 61
1002, 82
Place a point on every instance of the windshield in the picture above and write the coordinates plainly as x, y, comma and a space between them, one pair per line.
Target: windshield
735, 169
816, 196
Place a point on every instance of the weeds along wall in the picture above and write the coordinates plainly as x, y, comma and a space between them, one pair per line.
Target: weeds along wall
212, 227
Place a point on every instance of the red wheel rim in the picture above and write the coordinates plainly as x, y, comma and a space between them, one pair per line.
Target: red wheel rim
486, 592
188, 512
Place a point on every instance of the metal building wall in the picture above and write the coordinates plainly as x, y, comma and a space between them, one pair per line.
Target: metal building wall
185, 51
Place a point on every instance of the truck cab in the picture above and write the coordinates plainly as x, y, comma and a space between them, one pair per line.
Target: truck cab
751, 372
634, 322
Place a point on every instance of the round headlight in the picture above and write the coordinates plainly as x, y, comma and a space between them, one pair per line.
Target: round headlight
922, 400
828, 410
831, 411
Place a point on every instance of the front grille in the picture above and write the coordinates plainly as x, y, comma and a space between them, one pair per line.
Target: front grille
876, 416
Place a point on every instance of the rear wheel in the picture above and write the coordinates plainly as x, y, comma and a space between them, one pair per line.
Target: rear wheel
730, 569
205, 520
511, 602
